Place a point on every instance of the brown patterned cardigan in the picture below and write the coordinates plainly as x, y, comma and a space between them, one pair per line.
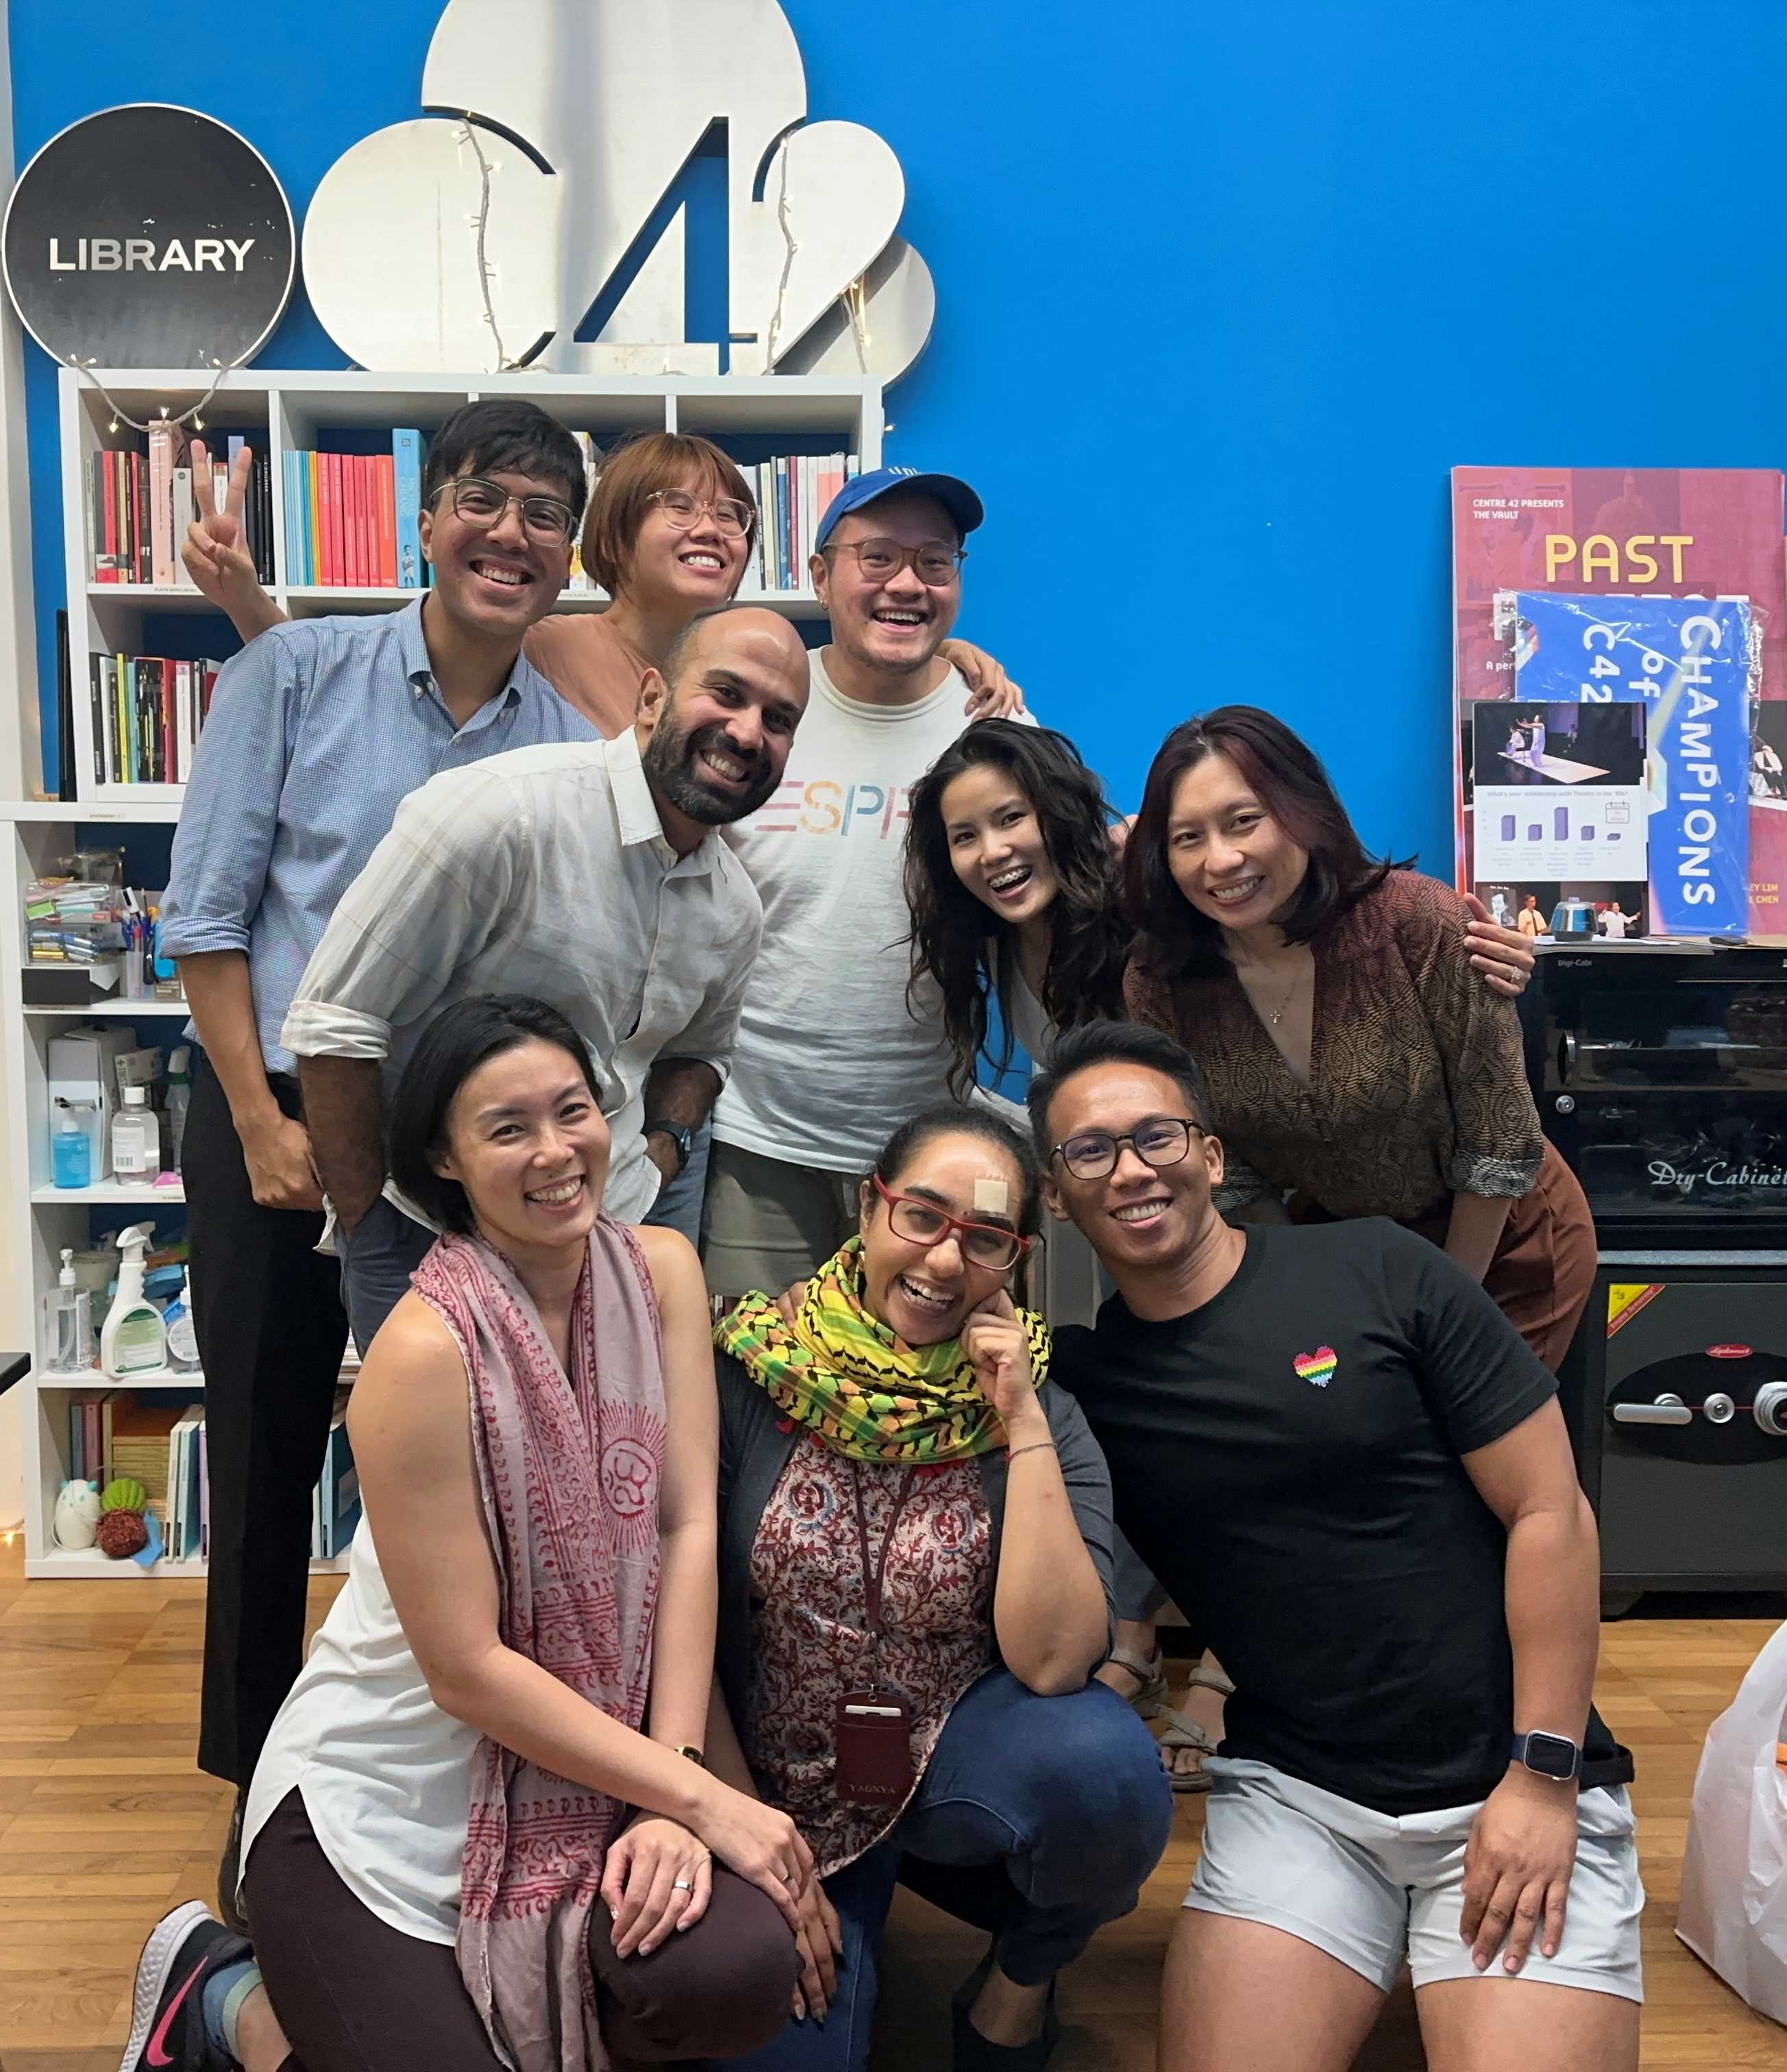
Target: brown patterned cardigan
1417, 1089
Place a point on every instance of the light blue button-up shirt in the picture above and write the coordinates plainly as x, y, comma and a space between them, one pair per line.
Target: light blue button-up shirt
318, 730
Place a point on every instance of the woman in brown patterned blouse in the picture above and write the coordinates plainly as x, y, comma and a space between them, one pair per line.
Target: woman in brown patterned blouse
1355, 1063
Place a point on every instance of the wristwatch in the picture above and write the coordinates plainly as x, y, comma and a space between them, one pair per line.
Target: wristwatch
1553, 1756
690, 1754
680, 1134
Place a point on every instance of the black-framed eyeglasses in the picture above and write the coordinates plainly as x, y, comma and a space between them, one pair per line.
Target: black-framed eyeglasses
732, 519
484, 504
923, 1223
936, 564
1162, 1140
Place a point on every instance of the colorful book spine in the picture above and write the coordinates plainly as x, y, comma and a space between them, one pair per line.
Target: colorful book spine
164, 551
329, 472
384, 470
406, 453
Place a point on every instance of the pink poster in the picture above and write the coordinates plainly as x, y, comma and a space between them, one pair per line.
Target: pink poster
1656, 531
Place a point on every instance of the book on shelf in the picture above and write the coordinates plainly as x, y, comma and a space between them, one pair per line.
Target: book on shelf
351, 520
148, 712
141, 1433
181, 1533
792, 493
140, 501
334, 1501
163, 1445
580, 577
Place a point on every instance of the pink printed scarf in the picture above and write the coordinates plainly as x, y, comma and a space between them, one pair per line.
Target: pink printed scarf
569, 1477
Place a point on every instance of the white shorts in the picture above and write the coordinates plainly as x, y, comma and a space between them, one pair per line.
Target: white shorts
1369, 1888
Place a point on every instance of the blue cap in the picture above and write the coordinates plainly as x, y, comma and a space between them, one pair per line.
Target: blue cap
949, 491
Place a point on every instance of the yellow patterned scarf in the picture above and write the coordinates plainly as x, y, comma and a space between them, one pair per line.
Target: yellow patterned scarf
842, 1373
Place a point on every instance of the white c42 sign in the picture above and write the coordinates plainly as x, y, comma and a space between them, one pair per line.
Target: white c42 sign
543, 186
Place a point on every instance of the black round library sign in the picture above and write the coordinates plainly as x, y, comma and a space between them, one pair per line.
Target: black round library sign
147, 236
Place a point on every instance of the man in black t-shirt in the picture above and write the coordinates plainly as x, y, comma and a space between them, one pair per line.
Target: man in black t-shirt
1350, 1473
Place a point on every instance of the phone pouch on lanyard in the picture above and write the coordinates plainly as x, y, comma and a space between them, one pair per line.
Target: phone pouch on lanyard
874, 1748
873, 1733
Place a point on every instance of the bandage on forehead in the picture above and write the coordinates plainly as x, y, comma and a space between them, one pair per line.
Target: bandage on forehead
991, 1197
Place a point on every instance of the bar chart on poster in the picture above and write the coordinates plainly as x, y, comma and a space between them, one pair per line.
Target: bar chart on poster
1559, 793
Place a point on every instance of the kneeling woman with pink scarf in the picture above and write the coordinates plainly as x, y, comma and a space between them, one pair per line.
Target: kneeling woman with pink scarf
481, 1835
914, 1588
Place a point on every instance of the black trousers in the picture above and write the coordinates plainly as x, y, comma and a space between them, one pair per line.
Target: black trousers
271, 1328
353, 1994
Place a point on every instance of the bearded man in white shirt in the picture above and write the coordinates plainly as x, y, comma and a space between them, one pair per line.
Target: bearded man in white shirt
590, 876
829, 1060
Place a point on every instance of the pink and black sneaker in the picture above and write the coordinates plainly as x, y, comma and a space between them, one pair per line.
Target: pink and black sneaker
167, 2022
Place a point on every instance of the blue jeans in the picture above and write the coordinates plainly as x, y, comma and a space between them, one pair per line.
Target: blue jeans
385, 1248
1064, 1796
678, 1207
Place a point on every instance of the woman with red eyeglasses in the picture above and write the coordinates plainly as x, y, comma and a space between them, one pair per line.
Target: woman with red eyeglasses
914, 1588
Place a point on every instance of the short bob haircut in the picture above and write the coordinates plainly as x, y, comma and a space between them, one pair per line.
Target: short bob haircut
1114, 1043
635, 471
1174, 940
502, 435
454, 1045
947, 1119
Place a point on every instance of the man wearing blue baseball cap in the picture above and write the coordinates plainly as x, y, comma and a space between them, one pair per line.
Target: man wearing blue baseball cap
828, 1061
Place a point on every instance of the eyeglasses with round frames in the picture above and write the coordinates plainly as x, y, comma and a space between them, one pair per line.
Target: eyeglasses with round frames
732, 519
485, 504
936, 565
923, 1223
1162, 1139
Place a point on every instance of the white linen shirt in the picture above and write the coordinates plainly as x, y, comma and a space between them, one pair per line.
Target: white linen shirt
544, 872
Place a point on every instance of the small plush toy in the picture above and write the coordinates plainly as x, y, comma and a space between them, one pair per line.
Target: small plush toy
122, 1530
75, 1524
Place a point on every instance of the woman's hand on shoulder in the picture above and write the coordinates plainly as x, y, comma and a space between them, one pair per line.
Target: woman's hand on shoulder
1503, 956
991, 693
996, 1342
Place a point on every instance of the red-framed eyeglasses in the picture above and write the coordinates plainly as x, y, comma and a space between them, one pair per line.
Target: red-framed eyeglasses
922, 1222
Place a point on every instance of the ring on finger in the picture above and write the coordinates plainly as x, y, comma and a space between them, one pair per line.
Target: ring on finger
682, 1885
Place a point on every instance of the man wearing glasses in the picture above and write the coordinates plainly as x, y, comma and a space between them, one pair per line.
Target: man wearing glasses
829, 1061
318, 730
1346, 1466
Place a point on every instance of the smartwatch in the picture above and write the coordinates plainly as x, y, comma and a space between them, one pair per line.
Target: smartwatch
680, 1134
1553, 1756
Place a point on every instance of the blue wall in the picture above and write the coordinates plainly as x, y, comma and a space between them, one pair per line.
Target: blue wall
1223, 292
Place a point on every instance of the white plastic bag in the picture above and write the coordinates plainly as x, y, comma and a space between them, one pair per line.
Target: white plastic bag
1734, 1876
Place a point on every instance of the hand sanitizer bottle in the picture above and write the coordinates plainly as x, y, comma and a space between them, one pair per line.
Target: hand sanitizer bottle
67, 1338
133, 1340
136, 1142
71, 1149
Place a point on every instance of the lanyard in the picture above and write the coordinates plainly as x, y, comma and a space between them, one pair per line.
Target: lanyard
872, 1583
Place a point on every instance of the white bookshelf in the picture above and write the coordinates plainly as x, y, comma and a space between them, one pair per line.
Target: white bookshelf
278, 412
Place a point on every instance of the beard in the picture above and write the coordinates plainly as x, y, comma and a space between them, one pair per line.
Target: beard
671, 762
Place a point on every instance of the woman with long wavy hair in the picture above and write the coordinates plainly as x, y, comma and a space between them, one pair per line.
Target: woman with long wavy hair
1013, 875
1034, 922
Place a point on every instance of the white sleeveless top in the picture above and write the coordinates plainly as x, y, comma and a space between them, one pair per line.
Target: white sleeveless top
385, 1775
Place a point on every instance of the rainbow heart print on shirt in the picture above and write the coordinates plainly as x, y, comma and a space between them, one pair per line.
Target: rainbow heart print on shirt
1317, 1368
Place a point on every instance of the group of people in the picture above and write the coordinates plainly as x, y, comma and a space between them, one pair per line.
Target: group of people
735, 1545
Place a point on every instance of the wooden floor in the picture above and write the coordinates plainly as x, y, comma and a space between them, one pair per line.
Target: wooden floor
105, 1822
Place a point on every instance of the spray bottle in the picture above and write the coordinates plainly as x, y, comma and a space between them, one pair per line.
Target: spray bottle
133, 1340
